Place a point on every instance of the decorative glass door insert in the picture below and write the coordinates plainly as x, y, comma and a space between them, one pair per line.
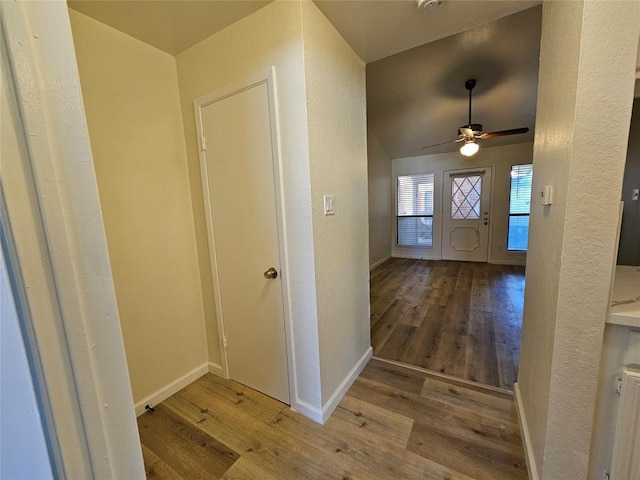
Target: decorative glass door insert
466, 212
465, 197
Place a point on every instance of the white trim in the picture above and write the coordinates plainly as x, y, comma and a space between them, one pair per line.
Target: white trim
171, 388
379, 262
321, 416
526, 437
267, 76
198, 104
75, 318
308, 410
331, 404
216, 369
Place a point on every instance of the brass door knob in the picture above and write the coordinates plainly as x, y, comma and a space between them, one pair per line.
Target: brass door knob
271, 273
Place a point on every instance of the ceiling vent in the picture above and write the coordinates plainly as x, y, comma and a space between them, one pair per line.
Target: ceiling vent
425, 5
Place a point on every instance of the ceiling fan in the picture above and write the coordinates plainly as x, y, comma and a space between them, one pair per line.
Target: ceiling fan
473, 131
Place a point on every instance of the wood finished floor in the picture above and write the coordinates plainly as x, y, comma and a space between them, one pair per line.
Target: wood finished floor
459, 318
394, 423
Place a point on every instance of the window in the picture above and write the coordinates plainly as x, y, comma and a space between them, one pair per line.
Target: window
465, 197
415, 210
519, 207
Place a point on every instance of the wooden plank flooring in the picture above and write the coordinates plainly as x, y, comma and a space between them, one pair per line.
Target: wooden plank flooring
459, 318
394, 423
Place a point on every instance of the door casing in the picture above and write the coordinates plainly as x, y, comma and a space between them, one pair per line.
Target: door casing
267, 77
446, 204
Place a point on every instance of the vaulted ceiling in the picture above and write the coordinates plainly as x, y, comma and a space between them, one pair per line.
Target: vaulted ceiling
379, 28
417, 61
418, 97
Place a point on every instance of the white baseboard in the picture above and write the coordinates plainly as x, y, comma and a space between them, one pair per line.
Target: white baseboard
322, 415
308, 410
334, 399
379, 262
526, 438
173, 387
216, 369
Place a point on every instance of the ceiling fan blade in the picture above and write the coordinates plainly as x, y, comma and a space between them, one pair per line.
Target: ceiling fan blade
443, 143
503, 133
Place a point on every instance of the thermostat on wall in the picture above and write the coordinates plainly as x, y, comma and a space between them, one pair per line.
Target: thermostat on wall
546, 195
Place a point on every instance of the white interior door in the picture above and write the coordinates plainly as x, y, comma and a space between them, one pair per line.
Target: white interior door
238, 154
466, 214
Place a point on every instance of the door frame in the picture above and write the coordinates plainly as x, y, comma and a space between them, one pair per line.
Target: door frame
267, 77
446, 204
69, 316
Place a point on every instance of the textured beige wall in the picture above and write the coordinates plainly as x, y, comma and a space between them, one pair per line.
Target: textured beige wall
336, 118
130, 93
586, 81
272, 36
500, 159
380, 200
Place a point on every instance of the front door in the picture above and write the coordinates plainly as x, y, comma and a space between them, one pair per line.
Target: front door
238, 154
466, 213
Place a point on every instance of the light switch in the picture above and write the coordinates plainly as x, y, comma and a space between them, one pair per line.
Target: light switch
635, 194
329, 205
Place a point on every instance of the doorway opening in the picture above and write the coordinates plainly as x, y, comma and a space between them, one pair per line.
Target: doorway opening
459, 315
447, 290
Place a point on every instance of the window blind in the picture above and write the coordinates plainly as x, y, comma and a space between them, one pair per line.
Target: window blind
520, 197
519, 206
415, 210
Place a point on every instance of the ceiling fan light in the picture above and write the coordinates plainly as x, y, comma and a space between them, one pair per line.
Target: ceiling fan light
469, 148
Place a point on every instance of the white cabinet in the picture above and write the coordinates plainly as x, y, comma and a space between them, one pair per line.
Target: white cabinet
625, 462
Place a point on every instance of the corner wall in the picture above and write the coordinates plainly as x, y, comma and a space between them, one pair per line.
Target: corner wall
586, 81
130, 93
150, 200
380, 201
336, 122
270, 36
